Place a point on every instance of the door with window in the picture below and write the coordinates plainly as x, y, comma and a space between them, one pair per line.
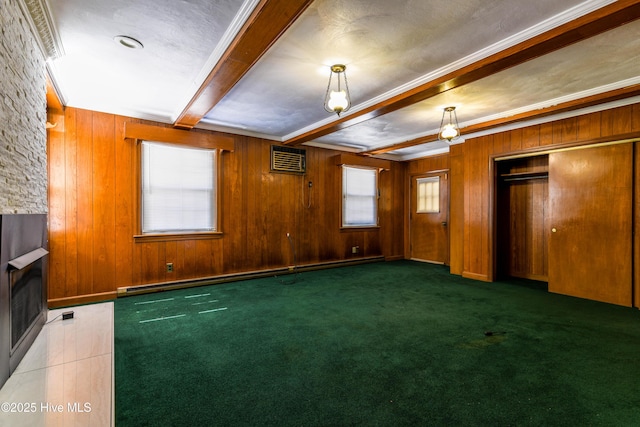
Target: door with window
429, 217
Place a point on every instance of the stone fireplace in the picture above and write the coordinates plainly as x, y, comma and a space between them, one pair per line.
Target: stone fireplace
23, 286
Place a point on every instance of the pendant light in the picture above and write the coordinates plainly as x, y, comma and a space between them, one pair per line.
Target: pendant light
449, 129
337, 99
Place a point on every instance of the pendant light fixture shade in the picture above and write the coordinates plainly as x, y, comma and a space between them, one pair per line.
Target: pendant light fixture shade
337, 99
449, 129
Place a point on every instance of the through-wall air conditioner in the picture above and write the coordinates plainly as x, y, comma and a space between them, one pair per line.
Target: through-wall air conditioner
288, 159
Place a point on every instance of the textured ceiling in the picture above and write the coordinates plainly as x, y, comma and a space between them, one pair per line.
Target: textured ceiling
389, 47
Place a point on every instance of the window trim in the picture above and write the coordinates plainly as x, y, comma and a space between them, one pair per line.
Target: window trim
348, 227
141, 237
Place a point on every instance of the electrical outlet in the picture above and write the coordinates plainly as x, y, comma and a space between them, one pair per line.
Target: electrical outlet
355, 249
169, 267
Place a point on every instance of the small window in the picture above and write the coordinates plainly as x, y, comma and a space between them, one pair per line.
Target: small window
178, 189
428, 195
359, 197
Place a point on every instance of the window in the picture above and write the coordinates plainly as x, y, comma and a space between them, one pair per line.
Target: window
178, 189
359, 197
428, 196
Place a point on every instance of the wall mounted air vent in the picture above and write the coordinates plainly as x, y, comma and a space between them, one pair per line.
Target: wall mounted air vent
288, 159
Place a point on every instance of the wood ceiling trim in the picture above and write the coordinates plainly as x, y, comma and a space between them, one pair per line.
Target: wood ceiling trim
602, 98
589, 25
269, 20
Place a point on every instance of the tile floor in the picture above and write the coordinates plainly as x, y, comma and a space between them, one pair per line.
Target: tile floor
67, 376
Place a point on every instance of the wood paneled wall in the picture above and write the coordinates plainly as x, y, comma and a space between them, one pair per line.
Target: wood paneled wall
479, 155
472, 180
92, 203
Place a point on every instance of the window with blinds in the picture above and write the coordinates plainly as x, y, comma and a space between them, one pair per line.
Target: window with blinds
178, 189
428, 195
359, 197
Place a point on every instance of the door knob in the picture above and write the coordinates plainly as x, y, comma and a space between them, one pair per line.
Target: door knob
444, 223
553, 230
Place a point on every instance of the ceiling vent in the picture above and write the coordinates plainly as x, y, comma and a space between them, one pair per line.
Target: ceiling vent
288, 160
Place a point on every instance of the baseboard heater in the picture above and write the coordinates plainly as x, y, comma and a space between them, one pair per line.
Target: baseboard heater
235, 277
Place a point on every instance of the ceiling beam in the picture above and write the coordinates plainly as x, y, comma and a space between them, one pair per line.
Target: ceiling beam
269, 20
589, 25
602, 98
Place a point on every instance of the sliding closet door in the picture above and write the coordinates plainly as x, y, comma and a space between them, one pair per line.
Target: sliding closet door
590, 203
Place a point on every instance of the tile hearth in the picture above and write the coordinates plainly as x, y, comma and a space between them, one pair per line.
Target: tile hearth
67, 376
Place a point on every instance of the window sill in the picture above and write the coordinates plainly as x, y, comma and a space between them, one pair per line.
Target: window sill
360, 228
166, 237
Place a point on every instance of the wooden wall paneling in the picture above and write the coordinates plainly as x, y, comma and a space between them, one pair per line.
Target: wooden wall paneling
526, 248
234, 206
84, 191
588, 126
501, 142
456, 212
476, 192
546, 134
516, 140
616, 121
331, 244
252, 241
171, 256
184, 263
296, 213
104, 203
373, 244
204, 263
305, 246
487, 212
322, 219
275, 201
636, 222
565, 130
392, 230
125, 203
385, 204
635, 118
530, 137
56, 154
539, 237
71, 253
152, 261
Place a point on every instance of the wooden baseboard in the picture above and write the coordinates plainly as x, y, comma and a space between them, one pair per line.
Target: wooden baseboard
476, 276
81, 299
234, 277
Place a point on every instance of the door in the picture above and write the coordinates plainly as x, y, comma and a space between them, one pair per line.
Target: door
590, 203
429, 216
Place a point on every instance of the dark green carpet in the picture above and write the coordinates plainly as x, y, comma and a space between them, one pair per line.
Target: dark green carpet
385, 344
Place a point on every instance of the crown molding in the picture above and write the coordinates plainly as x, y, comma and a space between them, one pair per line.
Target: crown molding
38, 14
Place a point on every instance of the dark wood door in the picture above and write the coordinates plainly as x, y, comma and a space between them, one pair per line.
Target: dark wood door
590, 204
429, 218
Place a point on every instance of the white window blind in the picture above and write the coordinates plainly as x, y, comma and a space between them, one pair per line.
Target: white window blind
359, 197
178, 188
428, 195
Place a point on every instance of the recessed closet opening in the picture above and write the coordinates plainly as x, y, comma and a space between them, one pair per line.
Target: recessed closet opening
564, 218
522, 232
